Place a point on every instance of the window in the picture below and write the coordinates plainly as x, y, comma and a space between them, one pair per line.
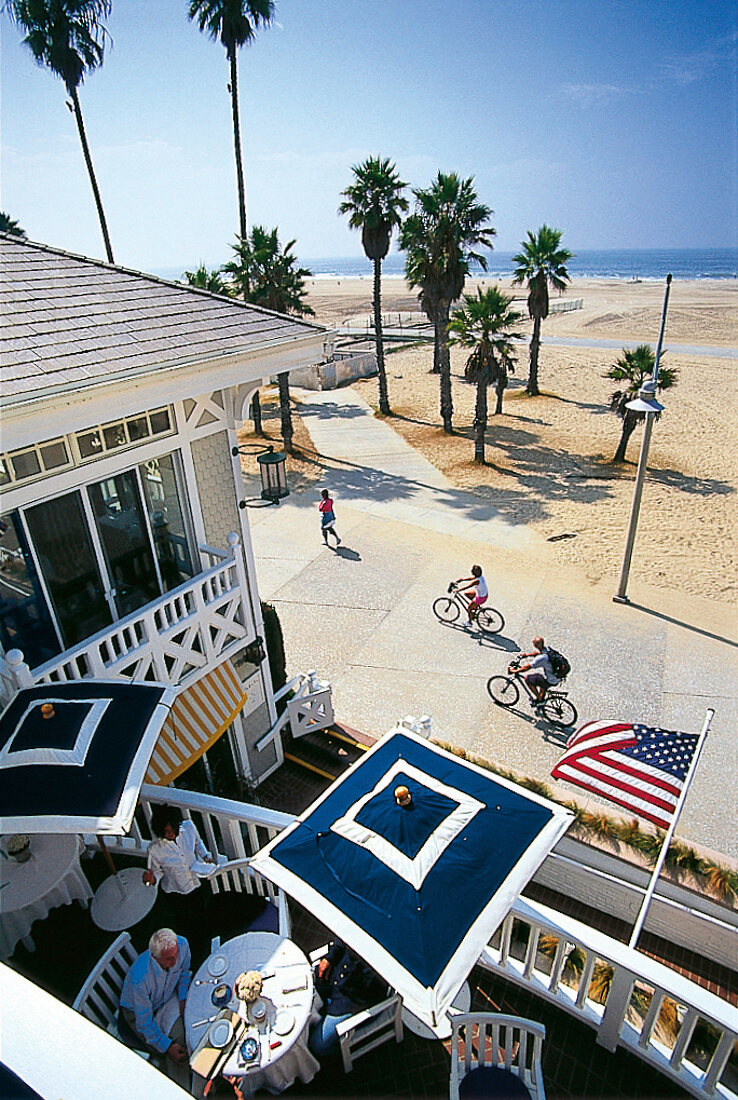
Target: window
31, 461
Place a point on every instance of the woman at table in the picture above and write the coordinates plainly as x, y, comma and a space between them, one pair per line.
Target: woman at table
176, 859
345, 984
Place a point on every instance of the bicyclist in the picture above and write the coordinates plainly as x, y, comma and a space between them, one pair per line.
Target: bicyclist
538, 672
476, 588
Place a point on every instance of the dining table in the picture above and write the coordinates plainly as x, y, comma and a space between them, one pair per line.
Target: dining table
276, 1025
29, 890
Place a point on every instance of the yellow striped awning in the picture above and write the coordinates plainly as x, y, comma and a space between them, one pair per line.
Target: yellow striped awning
198, 718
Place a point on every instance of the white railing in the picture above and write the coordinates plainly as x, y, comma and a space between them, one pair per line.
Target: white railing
171, 640
309, 708
632, 1001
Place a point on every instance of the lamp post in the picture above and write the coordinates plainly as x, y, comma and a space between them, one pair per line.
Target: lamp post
646, 403
273, 473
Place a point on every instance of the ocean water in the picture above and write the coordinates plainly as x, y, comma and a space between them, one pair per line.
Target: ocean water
617, 263
620, 263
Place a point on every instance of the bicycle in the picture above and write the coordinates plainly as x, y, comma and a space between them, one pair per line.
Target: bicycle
556, 707
448, 608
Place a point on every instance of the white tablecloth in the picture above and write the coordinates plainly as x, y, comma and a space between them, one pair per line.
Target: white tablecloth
285, 969
30, 890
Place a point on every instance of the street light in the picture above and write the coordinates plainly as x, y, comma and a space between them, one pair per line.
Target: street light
645, 403
272, 470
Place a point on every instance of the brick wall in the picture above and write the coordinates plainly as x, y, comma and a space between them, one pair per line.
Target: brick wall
214, 474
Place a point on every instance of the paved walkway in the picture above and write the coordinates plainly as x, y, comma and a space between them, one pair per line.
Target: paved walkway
362, 616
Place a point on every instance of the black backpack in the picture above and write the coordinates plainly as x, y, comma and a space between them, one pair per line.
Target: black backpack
559, 664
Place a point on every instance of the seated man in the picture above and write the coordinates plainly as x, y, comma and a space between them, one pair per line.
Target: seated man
152, 1001
539, 673
346, 985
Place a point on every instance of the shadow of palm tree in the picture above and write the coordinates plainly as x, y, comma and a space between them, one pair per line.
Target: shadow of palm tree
704, 486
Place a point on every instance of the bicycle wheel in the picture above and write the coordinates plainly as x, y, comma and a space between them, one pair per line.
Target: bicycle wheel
446, 609
559, 711
503, 691
489, 620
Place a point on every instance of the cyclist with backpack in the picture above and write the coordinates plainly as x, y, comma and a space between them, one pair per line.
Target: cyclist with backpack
546, 669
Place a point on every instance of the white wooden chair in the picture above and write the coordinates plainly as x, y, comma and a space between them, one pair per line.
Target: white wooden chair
99, 997
489, 1040
370, 1027
238, 877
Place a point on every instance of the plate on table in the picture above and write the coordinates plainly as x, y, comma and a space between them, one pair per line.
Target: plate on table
221, 1033
257, 1010
249, 1049
217, 965
284, 1022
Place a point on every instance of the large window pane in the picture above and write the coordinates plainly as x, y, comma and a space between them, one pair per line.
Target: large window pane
62, 542
122, 529
25, 622
167, 518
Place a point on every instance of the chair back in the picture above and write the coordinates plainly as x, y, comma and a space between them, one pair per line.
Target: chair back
370, 1028
99, 997
238, 876
511, 1043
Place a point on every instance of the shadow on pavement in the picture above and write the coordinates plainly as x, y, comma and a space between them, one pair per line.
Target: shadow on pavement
347, 553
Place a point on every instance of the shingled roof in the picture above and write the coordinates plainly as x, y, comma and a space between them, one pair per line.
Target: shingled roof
67, 320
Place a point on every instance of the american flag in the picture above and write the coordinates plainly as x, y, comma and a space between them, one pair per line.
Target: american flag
636, 767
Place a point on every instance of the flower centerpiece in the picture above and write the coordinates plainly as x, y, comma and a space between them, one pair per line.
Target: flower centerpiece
248, 986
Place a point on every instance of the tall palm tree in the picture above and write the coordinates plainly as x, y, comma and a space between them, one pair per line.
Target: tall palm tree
634, 367
10, 225
485, 324
374, 204
265, 274
439, 237
67, 36
233, 23
541, 262
207, 280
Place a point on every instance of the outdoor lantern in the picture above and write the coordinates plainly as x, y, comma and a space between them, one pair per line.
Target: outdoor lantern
255, 653
273, 475
646, 401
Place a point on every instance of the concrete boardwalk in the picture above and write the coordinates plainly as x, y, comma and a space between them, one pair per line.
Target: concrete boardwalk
362, 617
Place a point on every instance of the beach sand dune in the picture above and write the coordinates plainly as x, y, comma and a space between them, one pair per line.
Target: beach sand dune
549, 458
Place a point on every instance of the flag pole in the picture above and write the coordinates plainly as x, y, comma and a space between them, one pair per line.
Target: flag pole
667, 839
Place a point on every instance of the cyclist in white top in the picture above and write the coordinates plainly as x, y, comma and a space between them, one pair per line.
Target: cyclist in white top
538, 672
476, 587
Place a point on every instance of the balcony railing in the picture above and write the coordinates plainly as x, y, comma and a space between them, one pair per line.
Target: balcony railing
631, 1001
171, 640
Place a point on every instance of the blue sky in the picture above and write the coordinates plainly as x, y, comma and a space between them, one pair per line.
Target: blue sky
614, 120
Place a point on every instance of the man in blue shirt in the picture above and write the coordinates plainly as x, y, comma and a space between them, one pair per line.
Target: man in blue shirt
152, 1001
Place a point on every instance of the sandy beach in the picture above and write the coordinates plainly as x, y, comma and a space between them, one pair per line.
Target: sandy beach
549, 458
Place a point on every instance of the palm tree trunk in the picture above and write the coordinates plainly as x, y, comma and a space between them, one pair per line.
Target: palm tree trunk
233, 61
284, 410
480, 416
436, 368
384, 405
629, 423
91, 172
256, 414
444, 356
535, 343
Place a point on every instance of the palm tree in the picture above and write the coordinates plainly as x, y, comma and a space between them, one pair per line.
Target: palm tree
207, 280
67, 36
485, 324
374, 204
10, 225
439, 237
265, 274
541, 262
634, 367
234, 23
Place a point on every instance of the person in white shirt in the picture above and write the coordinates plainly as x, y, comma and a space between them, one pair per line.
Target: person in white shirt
476, 588
176, 860
538, 672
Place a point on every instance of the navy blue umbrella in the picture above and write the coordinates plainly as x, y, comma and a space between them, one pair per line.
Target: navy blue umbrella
73, 756
417, 889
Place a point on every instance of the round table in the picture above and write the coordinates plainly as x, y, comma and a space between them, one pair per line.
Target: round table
29, 891
122, 900
287, 983
460, 1003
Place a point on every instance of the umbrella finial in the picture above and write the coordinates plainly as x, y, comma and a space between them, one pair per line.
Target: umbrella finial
403, 796
47, 710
